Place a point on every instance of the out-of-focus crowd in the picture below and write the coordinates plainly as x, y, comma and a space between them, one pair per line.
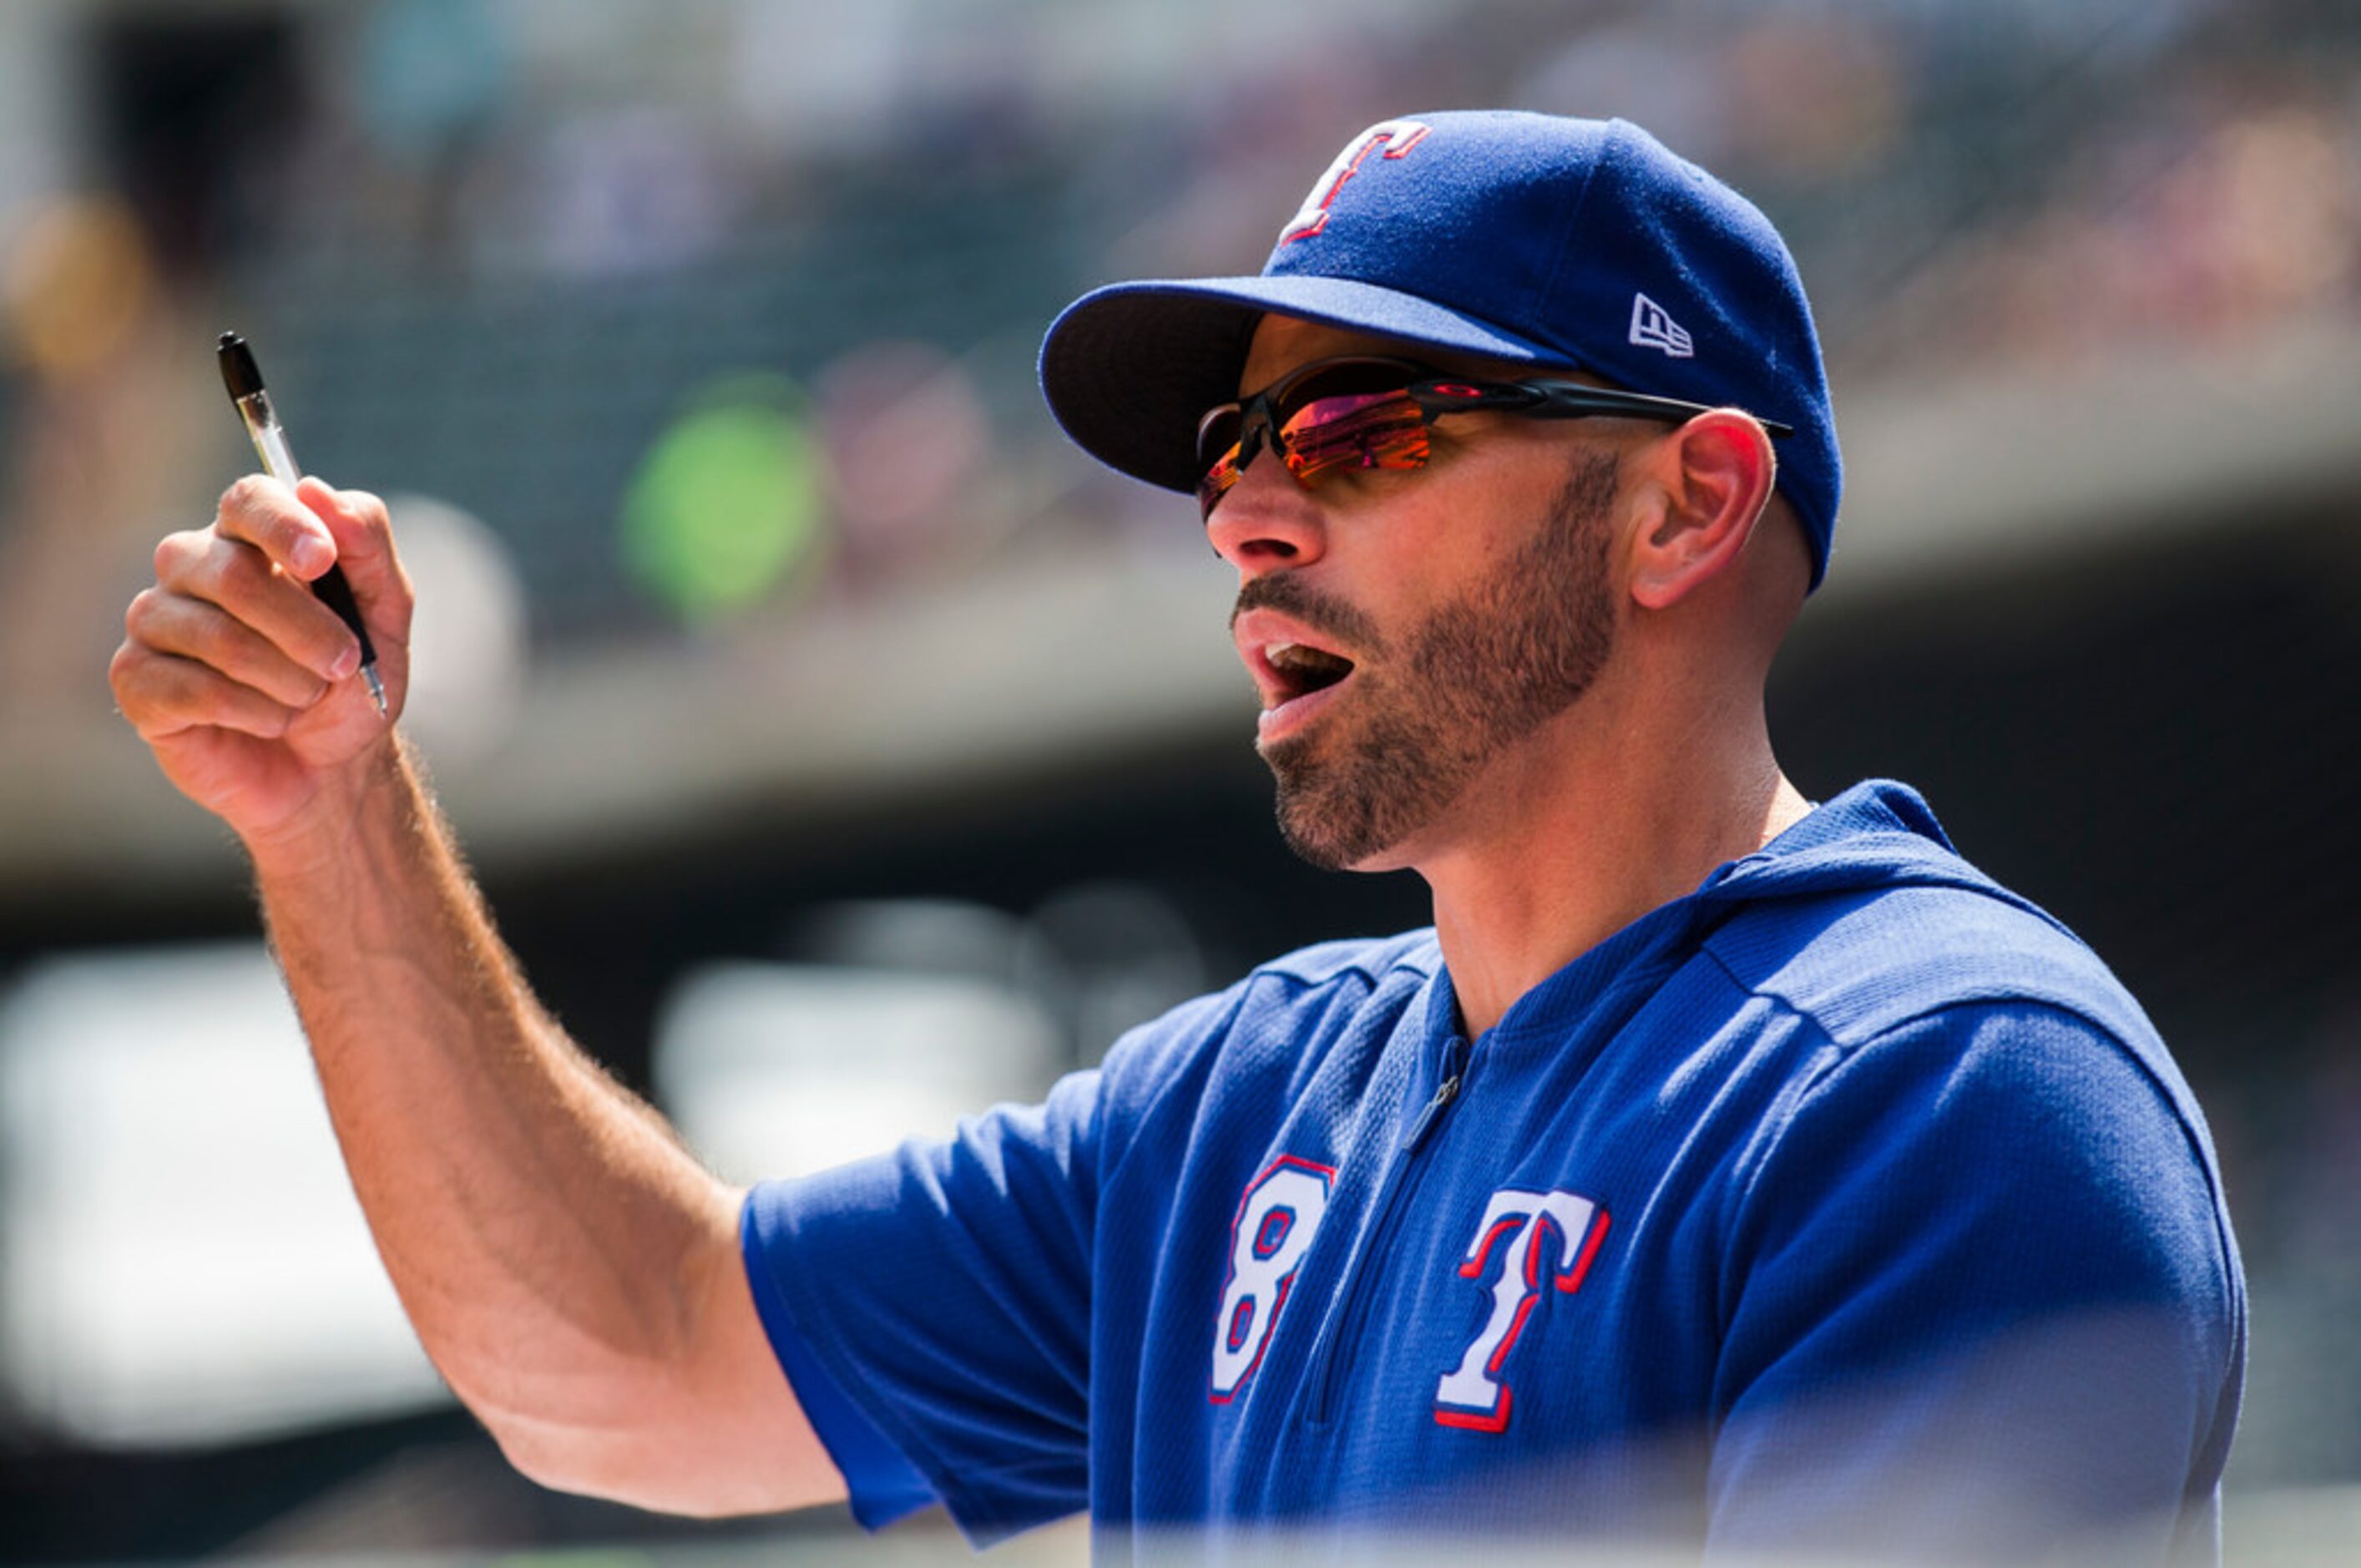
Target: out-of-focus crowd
699, 310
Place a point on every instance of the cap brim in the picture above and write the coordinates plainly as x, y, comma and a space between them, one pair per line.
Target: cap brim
1130, 369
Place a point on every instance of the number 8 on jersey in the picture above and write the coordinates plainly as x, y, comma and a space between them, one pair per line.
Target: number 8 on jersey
1276, 1220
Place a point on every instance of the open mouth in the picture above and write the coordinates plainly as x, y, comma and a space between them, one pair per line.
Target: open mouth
1303, 670
1296, 678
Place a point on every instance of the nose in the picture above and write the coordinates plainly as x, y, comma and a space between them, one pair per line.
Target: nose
1266, 522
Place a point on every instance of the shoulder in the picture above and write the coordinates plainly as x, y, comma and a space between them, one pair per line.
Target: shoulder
1344, 969
1277, 1018
2038, 1114
1862, 963
1364, 961
1287, 997
1993, 1083
1993, 1232
1312, 979
1973, 995
2011, 1156
1864, 916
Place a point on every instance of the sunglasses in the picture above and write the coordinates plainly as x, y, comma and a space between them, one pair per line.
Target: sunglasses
1370, 412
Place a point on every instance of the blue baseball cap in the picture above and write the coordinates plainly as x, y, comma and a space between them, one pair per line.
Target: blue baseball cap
1561, 243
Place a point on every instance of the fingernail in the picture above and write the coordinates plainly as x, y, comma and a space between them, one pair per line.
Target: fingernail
311, 554
346, 663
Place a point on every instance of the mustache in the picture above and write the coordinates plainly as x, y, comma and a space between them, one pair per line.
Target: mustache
1322, 612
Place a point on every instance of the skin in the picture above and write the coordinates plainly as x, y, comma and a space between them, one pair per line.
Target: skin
572, 1270
1660, 770
574, 1273
1432, 708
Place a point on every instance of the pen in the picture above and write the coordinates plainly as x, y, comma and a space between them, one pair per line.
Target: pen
244, 379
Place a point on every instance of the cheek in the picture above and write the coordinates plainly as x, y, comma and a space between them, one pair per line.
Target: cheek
1447, 542
1462, 555
1513, 514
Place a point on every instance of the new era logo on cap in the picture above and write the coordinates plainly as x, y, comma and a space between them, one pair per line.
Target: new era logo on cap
1653, 328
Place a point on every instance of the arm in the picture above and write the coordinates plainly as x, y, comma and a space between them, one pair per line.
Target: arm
571, 1269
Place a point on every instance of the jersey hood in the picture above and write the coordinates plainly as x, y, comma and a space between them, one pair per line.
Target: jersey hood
1878, 834
1861, 861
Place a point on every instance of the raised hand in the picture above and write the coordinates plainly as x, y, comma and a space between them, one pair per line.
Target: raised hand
243, 683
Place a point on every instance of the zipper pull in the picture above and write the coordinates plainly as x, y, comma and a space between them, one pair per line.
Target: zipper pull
1444, 1093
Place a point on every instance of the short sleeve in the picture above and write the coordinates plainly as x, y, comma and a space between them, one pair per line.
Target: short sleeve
1982, 1302
880, 1482
944, 1291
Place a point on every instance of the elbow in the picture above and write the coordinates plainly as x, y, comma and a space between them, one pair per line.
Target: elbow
565, 1451
612, 1466
700, 1424
537, 1447
655, 1454
539, 1458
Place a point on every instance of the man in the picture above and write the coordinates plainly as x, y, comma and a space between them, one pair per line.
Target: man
1721, 1169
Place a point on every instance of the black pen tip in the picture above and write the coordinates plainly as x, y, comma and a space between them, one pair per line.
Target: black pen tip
239, 373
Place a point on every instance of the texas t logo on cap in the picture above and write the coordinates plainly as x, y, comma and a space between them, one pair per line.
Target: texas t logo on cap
1397, 136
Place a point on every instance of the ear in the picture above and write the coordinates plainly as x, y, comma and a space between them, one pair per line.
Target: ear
1714, 474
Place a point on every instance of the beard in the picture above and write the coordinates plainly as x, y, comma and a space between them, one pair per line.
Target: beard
1475, 678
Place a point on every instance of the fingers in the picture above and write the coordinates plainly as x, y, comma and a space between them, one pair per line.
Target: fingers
193, 628
236, 576
265, 513
232, 636
164, 694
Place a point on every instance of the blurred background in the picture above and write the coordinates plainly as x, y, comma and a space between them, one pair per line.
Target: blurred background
842, 751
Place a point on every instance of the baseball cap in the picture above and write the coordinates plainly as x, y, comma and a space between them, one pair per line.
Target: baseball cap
1530, 238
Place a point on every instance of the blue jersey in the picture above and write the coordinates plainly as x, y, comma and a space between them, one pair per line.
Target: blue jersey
1847, 1201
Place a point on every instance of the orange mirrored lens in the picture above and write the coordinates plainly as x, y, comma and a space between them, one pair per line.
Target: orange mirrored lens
1359, 430
1346, 414
1224, 473
1348, 431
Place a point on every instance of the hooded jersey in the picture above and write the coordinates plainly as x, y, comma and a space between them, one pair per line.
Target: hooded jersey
1848, 1201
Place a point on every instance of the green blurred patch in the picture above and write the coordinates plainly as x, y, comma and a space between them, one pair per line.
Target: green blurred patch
729, 503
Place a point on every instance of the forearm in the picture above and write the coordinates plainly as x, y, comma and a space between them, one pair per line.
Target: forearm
569, 1267
537, 1220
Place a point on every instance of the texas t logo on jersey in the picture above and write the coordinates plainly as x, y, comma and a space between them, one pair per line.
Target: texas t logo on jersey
1474, 1394
1277, 1219
1397, 137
